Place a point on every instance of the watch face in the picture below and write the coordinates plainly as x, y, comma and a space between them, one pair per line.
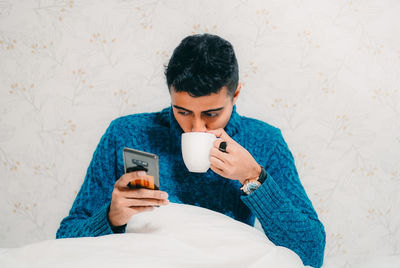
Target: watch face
251, 186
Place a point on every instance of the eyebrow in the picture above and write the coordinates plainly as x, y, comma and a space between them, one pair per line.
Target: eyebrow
211, 110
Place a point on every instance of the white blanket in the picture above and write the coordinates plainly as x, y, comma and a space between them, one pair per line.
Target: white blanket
170, 236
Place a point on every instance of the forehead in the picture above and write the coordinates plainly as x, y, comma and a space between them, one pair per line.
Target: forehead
213, 101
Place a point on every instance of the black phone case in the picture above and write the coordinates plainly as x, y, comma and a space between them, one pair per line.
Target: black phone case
135, 160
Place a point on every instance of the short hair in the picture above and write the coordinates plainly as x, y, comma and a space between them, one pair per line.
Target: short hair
203, 64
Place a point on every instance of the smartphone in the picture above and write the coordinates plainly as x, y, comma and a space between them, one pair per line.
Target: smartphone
135, 160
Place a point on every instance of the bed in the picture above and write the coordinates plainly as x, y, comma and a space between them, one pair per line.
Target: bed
172, 236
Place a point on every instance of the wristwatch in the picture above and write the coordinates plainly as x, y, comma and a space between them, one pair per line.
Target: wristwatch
250, 185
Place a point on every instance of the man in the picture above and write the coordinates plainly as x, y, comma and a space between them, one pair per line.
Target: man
252, 170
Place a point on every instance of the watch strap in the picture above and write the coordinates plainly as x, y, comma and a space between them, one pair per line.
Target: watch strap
263, 175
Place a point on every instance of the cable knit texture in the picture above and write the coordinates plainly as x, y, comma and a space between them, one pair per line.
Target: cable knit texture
280, 203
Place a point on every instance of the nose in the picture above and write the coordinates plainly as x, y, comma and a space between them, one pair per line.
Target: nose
198, 125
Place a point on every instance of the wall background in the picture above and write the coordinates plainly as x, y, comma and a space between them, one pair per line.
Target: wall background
327, 73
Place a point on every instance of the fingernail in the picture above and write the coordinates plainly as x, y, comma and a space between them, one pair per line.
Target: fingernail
166, 201
164, 195
141, 173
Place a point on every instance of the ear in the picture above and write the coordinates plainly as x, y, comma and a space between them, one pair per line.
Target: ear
237, 93
170, 89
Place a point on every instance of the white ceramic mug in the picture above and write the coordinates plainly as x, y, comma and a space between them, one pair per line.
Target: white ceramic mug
196, 148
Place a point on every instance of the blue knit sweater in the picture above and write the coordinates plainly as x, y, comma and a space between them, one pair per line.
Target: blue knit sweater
280, 203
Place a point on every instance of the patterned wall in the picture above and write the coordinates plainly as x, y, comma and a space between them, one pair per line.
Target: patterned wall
326, 72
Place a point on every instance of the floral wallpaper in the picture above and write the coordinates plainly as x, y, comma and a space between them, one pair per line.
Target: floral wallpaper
327, 73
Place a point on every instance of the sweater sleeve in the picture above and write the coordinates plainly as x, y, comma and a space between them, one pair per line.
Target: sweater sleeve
284, 210
89, 213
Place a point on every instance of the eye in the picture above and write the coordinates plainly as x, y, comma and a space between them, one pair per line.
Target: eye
211, 114
183, 112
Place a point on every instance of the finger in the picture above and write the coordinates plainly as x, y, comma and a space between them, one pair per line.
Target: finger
220, 133
228, 148
217, 163
141, 209
217, 170
127, 177
133, 202
215, 152
144, 193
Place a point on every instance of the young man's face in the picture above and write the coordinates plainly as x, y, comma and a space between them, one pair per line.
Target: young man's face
203, 113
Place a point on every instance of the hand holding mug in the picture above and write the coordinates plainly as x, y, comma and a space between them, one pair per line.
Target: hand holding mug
230, 160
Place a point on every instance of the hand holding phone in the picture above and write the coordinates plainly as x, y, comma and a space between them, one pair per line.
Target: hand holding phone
138, 189
126, 202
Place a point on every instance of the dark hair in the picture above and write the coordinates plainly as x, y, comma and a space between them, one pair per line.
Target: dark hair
202, 64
